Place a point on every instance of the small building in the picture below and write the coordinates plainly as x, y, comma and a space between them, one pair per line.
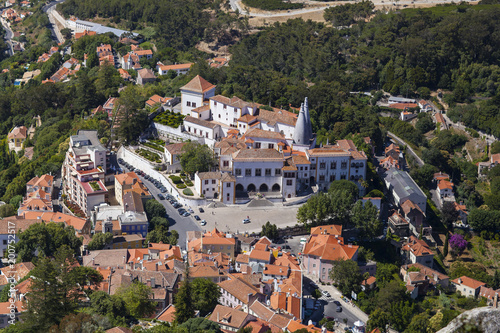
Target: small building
16, 138
216, 185
467, 286
177, 68
417, 251
145, 75
404, 188
230, 319
398, 225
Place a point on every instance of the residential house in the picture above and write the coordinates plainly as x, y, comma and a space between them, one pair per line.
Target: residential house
216, 185
237, 292
230, 319
321, 251
398, 225
417, 251
415, 216
393, 151
167, 315
12, 223
419, 279
124, 74
15, 272
491, 295
332, 229
145, 75
195, 93
10, 312
425, 106
172, 155
157, 100
467, 286
16, 138
130, 182
177, 68
212, 242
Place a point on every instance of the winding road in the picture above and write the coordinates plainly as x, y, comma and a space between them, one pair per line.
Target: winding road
8, 36
50, 10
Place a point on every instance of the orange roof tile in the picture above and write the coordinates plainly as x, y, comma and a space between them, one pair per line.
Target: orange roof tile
331, 229
468, 282
198, 84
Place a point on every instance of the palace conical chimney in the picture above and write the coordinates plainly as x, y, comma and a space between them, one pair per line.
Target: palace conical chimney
299, 134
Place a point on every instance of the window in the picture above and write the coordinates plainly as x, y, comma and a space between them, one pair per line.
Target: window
343, 165
188, 103
322, 165
225, 106
277, 172
257, 145
268, 172
332, 178
248, 172
193, 104
343, 177
313, 167
219, 116
206, 181
333, 165
225, 163
235, 110
215, 103
271, 146
213, 181
237, 172
228, 185
305, 175
4, 242
322, 178
258, 172
222, 247
289, 182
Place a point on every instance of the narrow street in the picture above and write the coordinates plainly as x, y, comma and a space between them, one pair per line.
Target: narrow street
8, 36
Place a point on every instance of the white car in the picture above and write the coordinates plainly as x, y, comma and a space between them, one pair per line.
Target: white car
246, 221
325, 293
203, 222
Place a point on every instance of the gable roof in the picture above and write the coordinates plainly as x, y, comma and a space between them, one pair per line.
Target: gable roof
417, 246
229, 317
239, 289
468, 282
328, 247
332, 229
175, 148
198, 84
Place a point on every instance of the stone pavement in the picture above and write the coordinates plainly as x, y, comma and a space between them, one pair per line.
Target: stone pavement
229, 219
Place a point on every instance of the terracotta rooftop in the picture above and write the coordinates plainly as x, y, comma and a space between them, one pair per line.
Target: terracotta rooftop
259, 133
331, 229
260, 255
258, 154
468, 282
417, 246
198, 84
229, 317
328, 247
200, 122
168, 314
239, 289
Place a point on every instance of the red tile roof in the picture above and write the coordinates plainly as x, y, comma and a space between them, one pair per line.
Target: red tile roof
468, 282
198, 84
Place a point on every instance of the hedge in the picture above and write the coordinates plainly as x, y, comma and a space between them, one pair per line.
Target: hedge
180, 186
188, 192
176, 179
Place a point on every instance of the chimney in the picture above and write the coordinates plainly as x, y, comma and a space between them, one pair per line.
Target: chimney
460, 280
495, 301
148, 282
218, 320
156, 266
153, 282
93, 261
124, 259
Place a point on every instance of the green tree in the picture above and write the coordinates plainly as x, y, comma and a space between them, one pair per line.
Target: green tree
316, 210
419, 324
196, 157
154, 209
184, 301
346, 275
344, 185
46, 239
56, 288
449, 214
365, 219
7, 210
158, 221
66, 32
205, 295
199, 325
137, 299
99, 241
158, 234
446, 244
270, 231
16, 201
378, 319
385, 273
131, 116
392, 292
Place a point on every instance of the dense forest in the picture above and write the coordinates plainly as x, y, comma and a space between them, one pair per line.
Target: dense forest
178, 24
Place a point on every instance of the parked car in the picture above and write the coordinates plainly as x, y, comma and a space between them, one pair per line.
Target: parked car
339, 308
182, 211
163, 190
201, 210
160, 196
203, 222
185, 214
246, 221
325, 293
337, 303
196, 217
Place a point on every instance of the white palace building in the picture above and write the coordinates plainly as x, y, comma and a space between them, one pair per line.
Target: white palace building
262, 151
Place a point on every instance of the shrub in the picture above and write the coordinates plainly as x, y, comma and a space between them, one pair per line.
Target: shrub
169, 119
189, 183
272, 4
188, 192
180, 186
176, 179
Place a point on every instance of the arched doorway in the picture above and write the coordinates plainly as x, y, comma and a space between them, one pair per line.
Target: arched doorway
239, 188
276, 188
251, 188
216, 195
263, 188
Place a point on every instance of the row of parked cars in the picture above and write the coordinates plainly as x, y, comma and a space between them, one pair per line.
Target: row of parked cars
141, 173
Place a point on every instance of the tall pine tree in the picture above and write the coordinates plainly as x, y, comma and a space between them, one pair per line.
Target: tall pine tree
184, 305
